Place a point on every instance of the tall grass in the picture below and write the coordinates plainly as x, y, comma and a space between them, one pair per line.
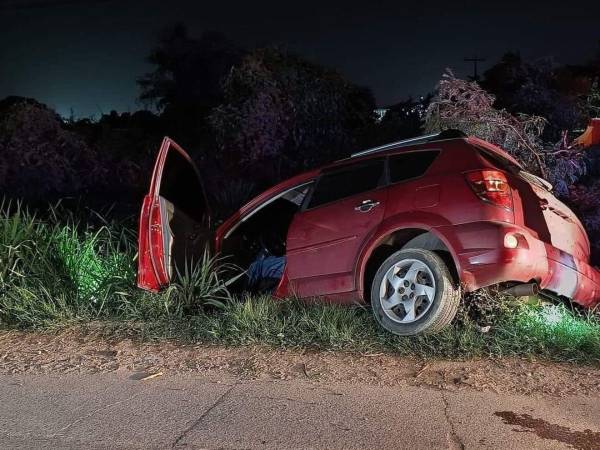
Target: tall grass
58, 271
53, 272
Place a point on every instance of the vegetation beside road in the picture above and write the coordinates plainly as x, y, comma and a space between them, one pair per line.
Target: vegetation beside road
56, 272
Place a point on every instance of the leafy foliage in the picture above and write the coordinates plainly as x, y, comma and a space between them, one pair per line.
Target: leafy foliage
464, 105
52, 272
125, 145
593, 99
285, 112
202, 283
541, 88
39, 158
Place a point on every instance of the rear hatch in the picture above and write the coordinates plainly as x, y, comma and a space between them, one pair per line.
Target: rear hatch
561, 228
538, 209
174, 224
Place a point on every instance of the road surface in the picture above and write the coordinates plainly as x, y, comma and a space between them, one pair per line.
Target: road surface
119, 410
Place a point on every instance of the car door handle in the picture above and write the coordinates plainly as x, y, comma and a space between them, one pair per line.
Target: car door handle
366, 206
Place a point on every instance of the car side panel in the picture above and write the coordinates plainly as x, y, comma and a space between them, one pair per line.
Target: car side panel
323, 244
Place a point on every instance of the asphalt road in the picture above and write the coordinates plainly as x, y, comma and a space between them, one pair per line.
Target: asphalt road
116, 410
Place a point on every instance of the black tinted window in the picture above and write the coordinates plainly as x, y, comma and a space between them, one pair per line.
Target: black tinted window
410, 165
346, 182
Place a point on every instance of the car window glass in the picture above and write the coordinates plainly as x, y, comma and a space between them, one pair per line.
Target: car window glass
410, 165
297, 195
347, 182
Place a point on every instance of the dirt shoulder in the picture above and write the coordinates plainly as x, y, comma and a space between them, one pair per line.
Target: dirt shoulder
75, 351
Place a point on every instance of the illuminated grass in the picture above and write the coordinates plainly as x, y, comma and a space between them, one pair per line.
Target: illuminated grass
262, 320
554, 331
53, 272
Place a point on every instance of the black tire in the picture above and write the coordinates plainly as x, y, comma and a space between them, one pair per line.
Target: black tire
442, 309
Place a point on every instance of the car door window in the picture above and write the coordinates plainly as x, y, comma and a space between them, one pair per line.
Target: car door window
346, 182
410, 165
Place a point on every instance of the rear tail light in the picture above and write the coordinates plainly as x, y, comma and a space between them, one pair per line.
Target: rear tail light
491, 186
515, 240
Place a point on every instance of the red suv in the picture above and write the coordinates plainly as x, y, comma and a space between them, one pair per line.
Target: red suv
405, 226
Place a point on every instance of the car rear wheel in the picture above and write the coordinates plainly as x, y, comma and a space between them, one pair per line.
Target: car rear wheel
413, 292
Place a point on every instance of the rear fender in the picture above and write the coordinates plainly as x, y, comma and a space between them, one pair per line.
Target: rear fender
414, 220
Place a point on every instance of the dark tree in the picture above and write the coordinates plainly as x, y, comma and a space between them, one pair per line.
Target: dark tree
505, 79
187, 70
542, 88
39, 159
186, 82
287, 113
127, 144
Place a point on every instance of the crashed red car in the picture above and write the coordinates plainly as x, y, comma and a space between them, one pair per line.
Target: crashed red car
405, 227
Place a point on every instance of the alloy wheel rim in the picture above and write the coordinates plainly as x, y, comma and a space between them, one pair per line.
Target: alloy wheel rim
407, 291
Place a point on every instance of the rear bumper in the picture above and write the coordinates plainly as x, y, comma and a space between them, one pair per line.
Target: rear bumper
484, 260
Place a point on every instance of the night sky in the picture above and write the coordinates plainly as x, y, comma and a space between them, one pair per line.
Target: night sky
86, 55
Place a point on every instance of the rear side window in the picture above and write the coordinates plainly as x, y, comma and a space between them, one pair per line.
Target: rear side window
347, 182
410, 165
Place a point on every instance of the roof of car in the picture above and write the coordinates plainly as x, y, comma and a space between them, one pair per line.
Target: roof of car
434, 137
422, 143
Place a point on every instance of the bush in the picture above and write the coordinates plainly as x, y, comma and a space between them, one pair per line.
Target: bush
39, 159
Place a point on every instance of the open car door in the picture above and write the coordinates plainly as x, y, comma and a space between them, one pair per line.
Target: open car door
175, 218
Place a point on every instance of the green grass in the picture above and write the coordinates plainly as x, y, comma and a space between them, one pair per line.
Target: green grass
58, 272
528, 332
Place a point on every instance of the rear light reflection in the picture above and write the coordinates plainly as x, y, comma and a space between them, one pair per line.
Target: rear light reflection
511, 241
515, 240
491, 186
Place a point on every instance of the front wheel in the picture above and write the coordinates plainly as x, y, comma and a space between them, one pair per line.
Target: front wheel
413, 292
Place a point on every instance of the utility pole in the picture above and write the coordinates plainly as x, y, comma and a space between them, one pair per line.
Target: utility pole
475, 60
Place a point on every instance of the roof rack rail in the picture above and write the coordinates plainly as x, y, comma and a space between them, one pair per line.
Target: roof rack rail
446, 134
